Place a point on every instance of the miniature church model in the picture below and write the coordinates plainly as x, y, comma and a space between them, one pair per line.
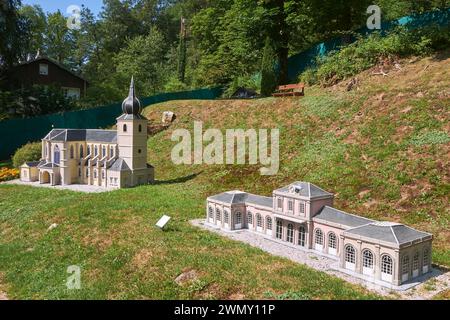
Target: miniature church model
106, 158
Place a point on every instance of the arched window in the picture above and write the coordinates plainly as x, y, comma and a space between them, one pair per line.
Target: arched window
386, 264
279, 233
124, 128
111, 152
56, 155
103, 174
140, 128
218, 215
405, 264
79, 172
226, 216
249, 218
301, 236
238, 218
319, 237
367, 259
268, 223
211, 212
426, 257
350, 254
81, 152
87, 173
332, 242
259, 221
416, 261
104, 151
290, 233
72, 155
89, 150
95, 151
95, 173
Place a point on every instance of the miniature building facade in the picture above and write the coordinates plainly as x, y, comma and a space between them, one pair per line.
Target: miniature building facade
302, 215
106, 158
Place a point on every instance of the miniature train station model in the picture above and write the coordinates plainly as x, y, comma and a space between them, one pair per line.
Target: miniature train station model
106, 158
302, 215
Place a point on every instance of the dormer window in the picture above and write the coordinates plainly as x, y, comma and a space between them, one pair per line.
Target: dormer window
43, 69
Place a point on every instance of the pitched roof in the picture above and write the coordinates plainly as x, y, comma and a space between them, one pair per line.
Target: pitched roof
40, 58
340, 217
305, 189
119, 165
394, 233
131, 117
31, 164
239, 197
90, 135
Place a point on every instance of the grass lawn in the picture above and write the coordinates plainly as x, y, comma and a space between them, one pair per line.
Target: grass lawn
383, 150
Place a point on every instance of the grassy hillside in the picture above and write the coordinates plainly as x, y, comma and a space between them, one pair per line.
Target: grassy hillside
383, 149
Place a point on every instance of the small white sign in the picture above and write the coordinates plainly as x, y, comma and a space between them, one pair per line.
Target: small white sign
163, 221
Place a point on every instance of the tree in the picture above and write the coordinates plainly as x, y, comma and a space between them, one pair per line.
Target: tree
182, 52
144, 57
268, 72
14, 33
59, 43
37, 23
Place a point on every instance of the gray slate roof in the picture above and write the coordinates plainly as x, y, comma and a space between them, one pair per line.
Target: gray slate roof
238, 197
33, 164
393, 233
89, 135
119, 165
131, 117
306, 189
337, 216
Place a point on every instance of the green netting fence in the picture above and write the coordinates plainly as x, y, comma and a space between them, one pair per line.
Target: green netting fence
16, 132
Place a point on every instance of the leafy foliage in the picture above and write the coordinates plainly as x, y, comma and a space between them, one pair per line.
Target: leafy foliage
29, 152
367, 52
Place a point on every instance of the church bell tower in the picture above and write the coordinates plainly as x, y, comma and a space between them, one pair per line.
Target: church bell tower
132, 133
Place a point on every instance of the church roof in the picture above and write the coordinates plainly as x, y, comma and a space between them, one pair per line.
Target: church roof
119, 165
131, 105
89, 135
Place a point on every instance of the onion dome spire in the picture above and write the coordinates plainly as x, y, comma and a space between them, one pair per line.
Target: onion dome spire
131, 105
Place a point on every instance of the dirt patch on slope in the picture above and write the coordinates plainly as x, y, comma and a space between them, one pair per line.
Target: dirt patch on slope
3, 295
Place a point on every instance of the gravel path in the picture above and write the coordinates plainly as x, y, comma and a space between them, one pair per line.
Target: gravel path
439, 281
73, 187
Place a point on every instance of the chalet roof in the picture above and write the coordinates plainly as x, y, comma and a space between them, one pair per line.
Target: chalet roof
340, 217
393, 233
60, 65
239, 197
305, 189
90, 135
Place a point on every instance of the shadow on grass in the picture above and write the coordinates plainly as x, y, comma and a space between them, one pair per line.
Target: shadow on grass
178, 180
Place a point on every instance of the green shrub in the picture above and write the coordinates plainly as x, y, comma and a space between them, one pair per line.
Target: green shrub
28, 152
250, 82
367, 52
